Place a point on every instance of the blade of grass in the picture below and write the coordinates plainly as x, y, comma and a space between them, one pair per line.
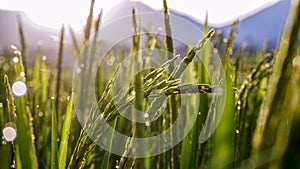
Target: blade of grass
6, 149
89, 22
46, 120
66, 130
224, 135
190, 142
59, 73
272, 133
75, 43
25, 149
203, 151
105, 162
23, 43
54, 164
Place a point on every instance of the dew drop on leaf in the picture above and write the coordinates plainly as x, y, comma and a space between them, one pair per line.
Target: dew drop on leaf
19, 88
15, 59
9, 134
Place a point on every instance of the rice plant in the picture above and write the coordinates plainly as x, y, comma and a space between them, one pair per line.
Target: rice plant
258, 128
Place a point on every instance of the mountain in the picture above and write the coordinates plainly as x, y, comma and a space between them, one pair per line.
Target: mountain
35, 36
118, 24
264, 25
254, 28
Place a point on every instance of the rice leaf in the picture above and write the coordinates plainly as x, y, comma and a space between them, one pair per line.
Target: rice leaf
65, 134
54, 138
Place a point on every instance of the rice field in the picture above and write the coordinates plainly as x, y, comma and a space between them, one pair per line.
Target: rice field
219, 106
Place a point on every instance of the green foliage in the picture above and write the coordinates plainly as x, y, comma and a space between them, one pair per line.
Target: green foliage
259, 126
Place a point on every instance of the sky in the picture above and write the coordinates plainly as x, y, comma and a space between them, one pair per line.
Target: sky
54, 13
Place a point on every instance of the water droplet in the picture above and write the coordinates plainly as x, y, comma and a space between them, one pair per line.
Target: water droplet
239, 102
5, 67
239, 107
146, 115
2, 59
9, 134
117, 164
82, 65
1, 105
218, 91
44, 58
199, 113
62, 98
147, 123
78, 70
133, 93
164, 105
22, 74
52, 97
296, 62
4, 142
237, 131
19, 88
13, 164
15, 59
57, 140
41, 114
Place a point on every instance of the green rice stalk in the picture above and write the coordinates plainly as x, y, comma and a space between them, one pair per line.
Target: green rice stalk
75, 43
203, 153
223, 150
127, 162
5, 148
179, 69
54, 137
84, 143
24, 144
223, 156
46, 119
291, 155
190, 142
110, 113
89, 22
272, 132
168, 40
171, 102
10, 100
228, 47
100, 76
23, 43
59, 73
37, 70
248, 105
105, 162
65, 134
136, 129
87, 50
34, 95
